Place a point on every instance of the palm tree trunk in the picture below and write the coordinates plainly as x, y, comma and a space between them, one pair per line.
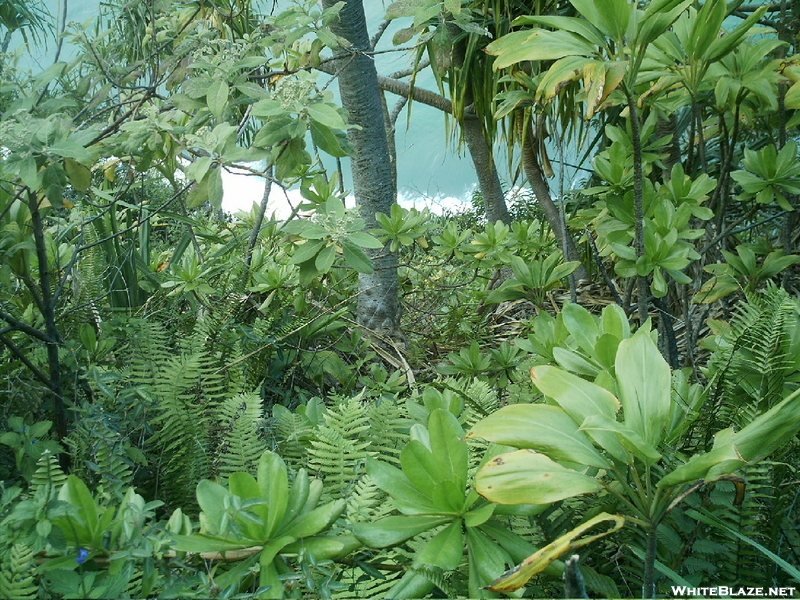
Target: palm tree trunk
374, 185
488, 180
533, 172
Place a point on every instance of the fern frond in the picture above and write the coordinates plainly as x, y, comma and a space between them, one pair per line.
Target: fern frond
341, 446
17, 573
239, 441
387, 433
48, 473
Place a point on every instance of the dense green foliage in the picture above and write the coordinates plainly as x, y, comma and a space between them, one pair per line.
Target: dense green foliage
195, 408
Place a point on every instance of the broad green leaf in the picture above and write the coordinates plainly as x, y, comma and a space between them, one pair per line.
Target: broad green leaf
792, 99
404, 8
29, 173
447, 445
325, 547
479, 516
274, 483
487, 561
446, 548
365, 240
541, 427
391, 531
574, 362
325, 258
581, 325
326, 140
527, 477
770, 430
312, 522
644, 384
326, 114
448, 495
406, 496
356, 258
244, 485
725, 44
580, 27
578, 397
307, 251
75, 492
629, 439
201, 542
67, 148
215, 190
212, 498
721, 460
705, 28
420, 466
536, 45
217, 97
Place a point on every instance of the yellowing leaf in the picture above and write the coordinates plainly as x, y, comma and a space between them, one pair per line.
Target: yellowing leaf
79, 176
527, 477
517, 577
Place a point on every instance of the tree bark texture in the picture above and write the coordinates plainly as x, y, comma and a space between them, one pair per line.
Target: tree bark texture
488, 180
374, 184
535, 177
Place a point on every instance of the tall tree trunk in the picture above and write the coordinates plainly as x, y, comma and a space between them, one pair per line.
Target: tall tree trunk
535, 177
374, 185
488, 180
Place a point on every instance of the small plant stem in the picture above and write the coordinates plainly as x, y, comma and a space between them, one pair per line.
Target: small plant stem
649, 583
638, 205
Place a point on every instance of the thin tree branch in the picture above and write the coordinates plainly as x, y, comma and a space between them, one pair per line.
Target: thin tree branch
15, 350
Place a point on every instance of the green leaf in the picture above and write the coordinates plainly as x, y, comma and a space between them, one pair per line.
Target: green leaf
579, 399
364, 240
447, 445
356, 258
479, 516
527, 477
581, 325
326, 114
67, 148
212, 498
215, 190
644, 384
546, 429
580, 27
446, 548
217, 97
326, 140
725, 44
274, 483
29, 173
391, 531
307, 251
629, 439
312, 522
201, 542
393, 481
536, 45
404, 8
325, 258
